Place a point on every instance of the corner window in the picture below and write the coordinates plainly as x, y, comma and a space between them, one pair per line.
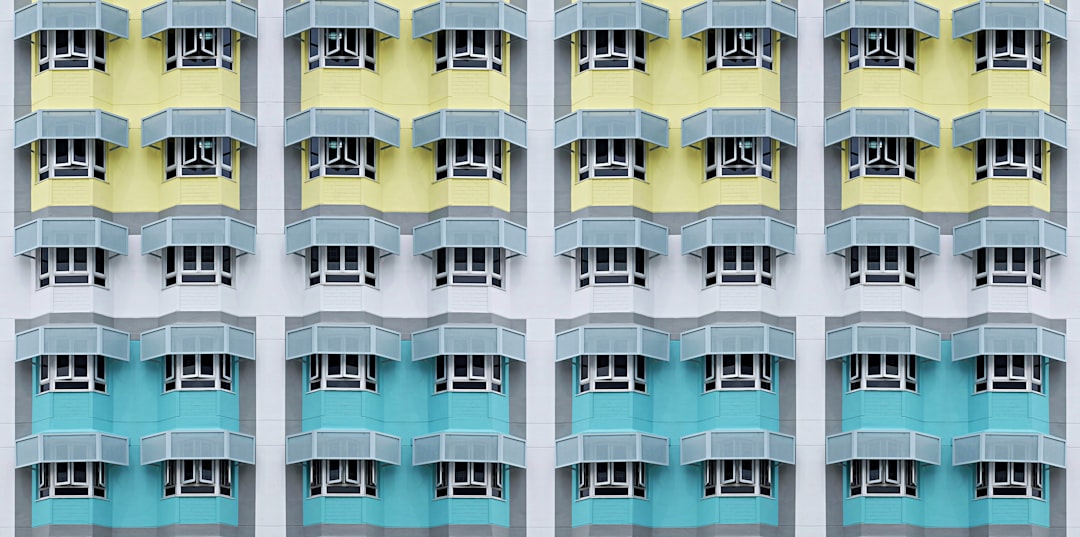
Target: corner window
475, 266
888, 157
469, 373
738, 157
71, 480
198, 372
1009, 158
882, 264
611, 266
198, 157
1009, 479
738, 264
198, 478
71, 266
469, 49
198, 47
611, 373
882, 47
611, 480
1009, 266
617, 157
738, 372
738, 47
1009, 373
611, 49
71, 158
883, 372
341, 47
71, 373
469, 158
343, 478
738, 478
469, 479
343, 372
883, 478
348, 157
1009, 49
71, 49
198, 264
342, 264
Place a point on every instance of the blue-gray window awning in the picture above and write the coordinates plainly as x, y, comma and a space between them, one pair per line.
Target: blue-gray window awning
738, 231
448, 340
59, 339
988, 340
1009, 233
610, 233
1009, 15
882, 231
469, 232
737, 339
198, 123
738, 123
71, 125
882, 14
174, 14
342, 122
197, 445
716, 14
611, 15
71, 233
721, 445
882, 445
611, 447
197, 339
468, 447
469, 125
342, 339
1009, 125
469, 15
611, 124
46, 15
882, 122
343, 445
882, 339
630, 339
363, 14
342, 231
1009, 447
71, 447
198, 231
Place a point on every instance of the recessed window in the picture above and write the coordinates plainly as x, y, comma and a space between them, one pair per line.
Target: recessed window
1009, 373
738, 47
883, 478
469, 49
198, 265
71, 158
71, 49
886, 157
611, 49
883, 372
611, 480
198, 157
882, 47
469, 479
345, 157
1009, 158
738, 157
611, 373
198, 478
71, 480
738, 478
198, 372
198, 47
469, 373
882, 264
611, 266
342, 264
738, 264
1009, 49
71, 266
71, 373
343, 478
617, 157
1009, 480
738, 372
469, 158
1009, 266
470, 266
341, 47
343, 372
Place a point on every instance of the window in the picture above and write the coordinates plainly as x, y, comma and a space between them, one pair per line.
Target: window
882, 264
617, 157
198, 478
1012, 266
342, 264
891, 157
71, 480
1009, 479
738, 372
71, 49
469, 479
611, 266
71, 158
738, 157
883, 372
882, 47
343, 372
71, 266
198, 47
469, 49
611, 49
738, 264
469, 158
883, 478
71, 373
468, 373
1009, 158
349, 157
198, 264
611, 480
738, 478
738, 47
476, 266
198, 157
1009, 372
341, 47
198, 372
611, 373
336, 477
1009, 49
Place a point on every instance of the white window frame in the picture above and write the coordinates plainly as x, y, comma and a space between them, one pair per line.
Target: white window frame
59, 49
1010, 266
470, 266
342, 157
599, 49
199, 157
882, 157
738, 47
185, 478
353, 372
342, 265
882, 47
457, 479
732, 265
883, 372
198, 265
883, 478
611, 158
72, 373
469, 49
1009, 49
602, 480
199, 48
71, 266
470, 373
727, 372
746, 477
342, 47
612, 373
1002, 479
883, 265
1010, 373
191, 372
602, 266
343, 478
58, 480
744, 156
1009, 158
469, 158
75, 158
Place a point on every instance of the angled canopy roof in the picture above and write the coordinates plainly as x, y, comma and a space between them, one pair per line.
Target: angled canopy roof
882, 445
1009, 125
198, 231
342, 339
882, 122
737, 123
1009, 232
71, 15
882, 231
882, 14
714, 14
476, 232
198, 445
343, 445
342, 231
71, 447
71, 233
1008, 447
600, 339
988, 340
882, 339
722, 445
342, 122
365, 14
71, 124
446, 340
738, 231
60, 339
606, 124
611, 233
172, 14
198, 123
611, 15
737, 339
1009, 15
469, 15
197, 339
469, 125
468, 447
611, 447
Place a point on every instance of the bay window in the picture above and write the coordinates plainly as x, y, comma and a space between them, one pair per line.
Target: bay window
1009, 49
1009, 479
738, 47
611, 480
738, 478
738, 264
469, 373
611, 373
198, 478
198, 157
71, 266
469, 479
469, 49
883, 478
71, 480
198, 47
71, 49
71, 373
738, 372
342, 264
611, 49
198, 372
738, 157
616, 157
469, 158
341, 47
343, 372
882, 264
879, 156
343, 478
198, 264
342, 156
71, 158
474, 266
882, 47
883, 372
611, 266
1009, 372
1011, 266
1009, 158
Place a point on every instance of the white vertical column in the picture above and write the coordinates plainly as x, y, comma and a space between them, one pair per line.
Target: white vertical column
1070, 265
7, 271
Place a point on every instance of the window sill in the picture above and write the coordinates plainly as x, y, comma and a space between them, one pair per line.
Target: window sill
438, 498
722, 390
333, 495
326, 177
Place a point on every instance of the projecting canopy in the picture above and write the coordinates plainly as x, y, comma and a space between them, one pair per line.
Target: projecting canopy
989, 340
882, 231
1010, 233
611, 124
878, 339
632, 340
882, 14
611, 15
59, 339
71, 233
197, 339
737, 339
71, 447
738, 231
882, 445
342, 339
1009, 15
469, 15
611, 447
175, 14
1009, 447
342, 231
469, 232
198, 231
363, 14
448, 340
468, 447
198, 445
71, 125
46, 15
737, 445
716, 14
610, 233
343, 445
